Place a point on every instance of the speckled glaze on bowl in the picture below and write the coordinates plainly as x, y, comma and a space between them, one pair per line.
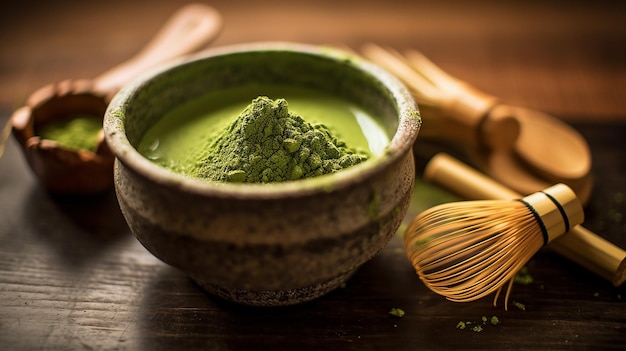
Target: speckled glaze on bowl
265, 244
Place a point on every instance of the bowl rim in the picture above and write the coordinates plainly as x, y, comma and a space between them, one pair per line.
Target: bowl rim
401, 142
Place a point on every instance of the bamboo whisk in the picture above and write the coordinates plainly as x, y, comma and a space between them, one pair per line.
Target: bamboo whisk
466, 250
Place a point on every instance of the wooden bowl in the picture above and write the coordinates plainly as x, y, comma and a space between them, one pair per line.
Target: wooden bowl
60, 169
265, 244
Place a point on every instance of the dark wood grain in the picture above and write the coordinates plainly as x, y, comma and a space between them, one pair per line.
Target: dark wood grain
73, 277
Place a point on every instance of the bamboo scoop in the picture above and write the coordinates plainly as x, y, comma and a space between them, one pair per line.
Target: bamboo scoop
579, 244
80, 172
527, 150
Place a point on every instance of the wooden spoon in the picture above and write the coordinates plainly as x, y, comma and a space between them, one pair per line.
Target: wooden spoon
524, 148
68, 171
551, 147
452, 110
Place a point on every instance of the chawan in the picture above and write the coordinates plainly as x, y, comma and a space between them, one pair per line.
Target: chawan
276, 243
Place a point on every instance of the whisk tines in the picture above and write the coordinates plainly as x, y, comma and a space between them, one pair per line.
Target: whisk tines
470, 249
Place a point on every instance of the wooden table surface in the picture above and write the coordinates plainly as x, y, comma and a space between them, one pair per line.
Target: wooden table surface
73, 277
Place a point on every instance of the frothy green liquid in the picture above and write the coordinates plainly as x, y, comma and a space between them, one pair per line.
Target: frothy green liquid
175, 141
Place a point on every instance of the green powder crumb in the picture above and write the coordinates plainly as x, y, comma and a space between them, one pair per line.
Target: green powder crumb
397, 312
372, 206
495, 320
523, 277
267, 143
519, 305
478, 326
80, 132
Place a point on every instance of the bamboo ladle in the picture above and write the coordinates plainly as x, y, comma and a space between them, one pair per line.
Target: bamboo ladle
68, 171
525, 149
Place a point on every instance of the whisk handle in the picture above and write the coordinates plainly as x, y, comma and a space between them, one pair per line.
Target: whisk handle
557, 210
579, 244
459, 178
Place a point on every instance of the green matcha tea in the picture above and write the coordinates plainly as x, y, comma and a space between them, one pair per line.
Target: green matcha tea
79, 132
238, 136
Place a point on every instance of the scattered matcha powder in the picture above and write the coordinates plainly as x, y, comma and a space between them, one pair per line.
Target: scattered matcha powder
267, 143
523, 277
79, 132
397, 312
372, 206
478, 326
495, 320
519, 305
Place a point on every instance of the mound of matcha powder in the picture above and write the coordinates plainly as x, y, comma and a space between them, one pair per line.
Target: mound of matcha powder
267, 143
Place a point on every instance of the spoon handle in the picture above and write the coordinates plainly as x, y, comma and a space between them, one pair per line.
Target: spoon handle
579, 244
189, 28
453, 111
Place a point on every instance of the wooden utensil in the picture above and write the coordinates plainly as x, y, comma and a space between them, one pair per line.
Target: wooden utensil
469, 249
522, 148
579, 244
68, 171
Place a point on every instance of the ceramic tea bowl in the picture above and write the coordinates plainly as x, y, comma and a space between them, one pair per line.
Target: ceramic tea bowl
265, 244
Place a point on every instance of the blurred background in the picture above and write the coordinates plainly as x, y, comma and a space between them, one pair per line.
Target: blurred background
540, 54
63, 265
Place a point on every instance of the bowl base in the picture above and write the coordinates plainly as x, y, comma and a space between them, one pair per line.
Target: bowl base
274, 297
